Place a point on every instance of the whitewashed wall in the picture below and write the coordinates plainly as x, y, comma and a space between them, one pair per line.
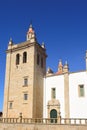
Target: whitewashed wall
78, 105
58, 83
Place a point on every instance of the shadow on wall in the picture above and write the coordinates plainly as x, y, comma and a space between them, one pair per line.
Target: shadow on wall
1, 114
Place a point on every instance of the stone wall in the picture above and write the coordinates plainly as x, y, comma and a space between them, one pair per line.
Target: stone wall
41, 127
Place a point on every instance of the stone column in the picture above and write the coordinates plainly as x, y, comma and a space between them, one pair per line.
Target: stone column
66, 95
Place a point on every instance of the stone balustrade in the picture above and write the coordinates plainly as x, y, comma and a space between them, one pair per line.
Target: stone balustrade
70, 121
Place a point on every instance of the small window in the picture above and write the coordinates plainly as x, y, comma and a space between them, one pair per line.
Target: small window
41, 62
25, 96
38, 59
24, 57
81, 91
17, 59
25, 81
10, 105
53, 93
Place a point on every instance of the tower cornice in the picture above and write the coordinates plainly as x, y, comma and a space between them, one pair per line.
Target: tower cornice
24, 45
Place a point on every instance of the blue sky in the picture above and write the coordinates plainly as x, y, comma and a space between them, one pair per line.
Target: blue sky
60, 24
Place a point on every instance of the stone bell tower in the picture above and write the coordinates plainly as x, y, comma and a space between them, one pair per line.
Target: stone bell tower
25, 69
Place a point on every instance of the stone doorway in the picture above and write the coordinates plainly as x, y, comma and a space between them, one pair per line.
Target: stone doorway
53, 115
53, 110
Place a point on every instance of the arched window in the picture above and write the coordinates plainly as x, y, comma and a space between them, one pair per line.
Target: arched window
24, 57
41, 62
17, 59
38, 59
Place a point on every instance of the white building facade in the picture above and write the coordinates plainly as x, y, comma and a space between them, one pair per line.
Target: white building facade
65, 94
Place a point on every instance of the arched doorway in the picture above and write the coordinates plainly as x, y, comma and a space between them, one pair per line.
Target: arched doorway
53, 114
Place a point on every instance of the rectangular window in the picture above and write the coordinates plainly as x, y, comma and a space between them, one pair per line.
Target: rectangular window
10, 105
25, 81
25, 96
53, 93
81, 91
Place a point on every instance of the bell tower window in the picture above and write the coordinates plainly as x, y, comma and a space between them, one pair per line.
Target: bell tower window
38, 59
24, 57
41, 62
17, 59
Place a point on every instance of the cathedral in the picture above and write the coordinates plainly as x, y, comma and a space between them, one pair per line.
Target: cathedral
31, 91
